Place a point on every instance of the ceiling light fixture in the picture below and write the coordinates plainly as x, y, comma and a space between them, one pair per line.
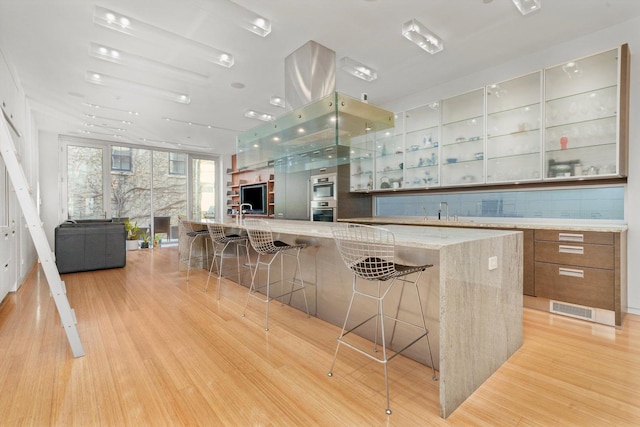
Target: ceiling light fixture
278, 101
527, 6
426, 39
97, 107
252, 114
190, 123
106, 80
133, 27
124, 122
358, 69
257, 25
118, 56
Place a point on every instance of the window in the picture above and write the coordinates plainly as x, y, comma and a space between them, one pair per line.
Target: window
121, 159
177, 164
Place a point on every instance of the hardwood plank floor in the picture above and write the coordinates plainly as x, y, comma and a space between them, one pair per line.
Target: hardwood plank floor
160, 351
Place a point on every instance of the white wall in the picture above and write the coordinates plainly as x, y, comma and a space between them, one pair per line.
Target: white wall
50, 209
603, 40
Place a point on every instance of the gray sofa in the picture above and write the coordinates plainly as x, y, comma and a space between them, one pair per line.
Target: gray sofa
90, 245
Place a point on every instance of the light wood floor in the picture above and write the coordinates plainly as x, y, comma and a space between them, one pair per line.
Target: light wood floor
160, 351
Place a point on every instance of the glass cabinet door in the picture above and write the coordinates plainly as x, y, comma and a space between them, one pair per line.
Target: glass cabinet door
422, 138
513, 130
462, 149
389, 163
581, 110
362, 151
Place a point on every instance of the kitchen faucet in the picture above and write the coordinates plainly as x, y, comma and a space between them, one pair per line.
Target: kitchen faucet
440, 209
241, 211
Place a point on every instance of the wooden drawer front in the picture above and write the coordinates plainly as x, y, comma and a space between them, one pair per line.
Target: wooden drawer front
585, 286
595, 256
572, 236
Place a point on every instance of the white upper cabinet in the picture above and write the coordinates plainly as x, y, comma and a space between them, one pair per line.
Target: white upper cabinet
582, 120
513, 130
462, 148
565, 123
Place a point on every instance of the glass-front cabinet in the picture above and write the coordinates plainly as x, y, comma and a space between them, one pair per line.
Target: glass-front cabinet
582, 123
462, 149
513, 130
422, 139
564, 123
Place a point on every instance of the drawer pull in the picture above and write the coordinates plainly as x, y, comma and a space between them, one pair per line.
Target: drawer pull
575, 250
569, 237
571, 272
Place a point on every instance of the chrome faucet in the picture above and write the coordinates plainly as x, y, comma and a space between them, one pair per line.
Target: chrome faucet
241, 211
440, 210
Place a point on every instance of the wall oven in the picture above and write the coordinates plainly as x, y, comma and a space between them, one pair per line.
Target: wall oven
323, 187
324, 211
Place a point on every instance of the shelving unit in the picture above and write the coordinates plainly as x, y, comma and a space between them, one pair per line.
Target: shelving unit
581, 102
513, 130
566, 123
422, 136
238, 178
462, 149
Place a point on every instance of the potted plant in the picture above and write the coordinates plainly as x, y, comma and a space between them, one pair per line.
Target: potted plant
145, 240
157, 239
132, 234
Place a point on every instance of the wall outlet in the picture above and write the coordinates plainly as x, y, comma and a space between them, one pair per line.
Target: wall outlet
493, 262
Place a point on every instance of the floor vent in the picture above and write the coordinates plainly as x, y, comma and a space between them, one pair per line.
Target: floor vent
578, 311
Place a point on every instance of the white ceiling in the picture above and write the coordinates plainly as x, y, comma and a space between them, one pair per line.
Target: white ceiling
47, 41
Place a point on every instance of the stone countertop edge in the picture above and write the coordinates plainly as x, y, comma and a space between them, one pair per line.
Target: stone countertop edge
419, 221
408, 235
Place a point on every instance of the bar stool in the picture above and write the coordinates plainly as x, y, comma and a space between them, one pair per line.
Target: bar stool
220, 241
193, 236
370, 253
269, 250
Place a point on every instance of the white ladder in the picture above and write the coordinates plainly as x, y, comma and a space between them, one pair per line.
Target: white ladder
30, 213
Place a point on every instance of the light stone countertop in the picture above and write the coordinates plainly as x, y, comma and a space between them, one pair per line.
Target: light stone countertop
405, 234
464, 223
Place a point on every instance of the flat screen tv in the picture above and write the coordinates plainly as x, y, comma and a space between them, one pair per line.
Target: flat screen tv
256, 196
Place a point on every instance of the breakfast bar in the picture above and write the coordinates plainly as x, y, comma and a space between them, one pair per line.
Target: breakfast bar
472, 295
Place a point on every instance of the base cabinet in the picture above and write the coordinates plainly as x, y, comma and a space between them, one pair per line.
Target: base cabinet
582, 268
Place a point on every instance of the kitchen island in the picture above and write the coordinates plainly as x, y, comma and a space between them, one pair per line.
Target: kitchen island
473, 310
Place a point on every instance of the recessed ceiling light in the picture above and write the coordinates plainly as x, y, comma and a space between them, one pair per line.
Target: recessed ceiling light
106, 80
426, 39
117, 56
527, 6
278, 101
133, 27
252, 114
192, 123
358, 69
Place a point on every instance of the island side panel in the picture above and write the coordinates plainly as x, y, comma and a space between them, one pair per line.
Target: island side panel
481, 314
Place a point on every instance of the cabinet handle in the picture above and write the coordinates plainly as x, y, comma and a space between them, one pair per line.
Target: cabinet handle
575, 250
569, 237
571, 272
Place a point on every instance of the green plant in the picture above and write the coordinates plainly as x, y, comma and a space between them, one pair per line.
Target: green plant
132, 229
145, 237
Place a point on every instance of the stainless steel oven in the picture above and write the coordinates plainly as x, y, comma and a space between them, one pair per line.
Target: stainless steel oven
324, 211
323, 187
